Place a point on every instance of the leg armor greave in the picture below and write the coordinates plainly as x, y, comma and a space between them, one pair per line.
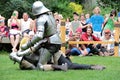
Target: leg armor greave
56, 57
44, 57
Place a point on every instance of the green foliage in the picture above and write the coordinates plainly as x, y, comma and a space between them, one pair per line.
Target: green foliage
60, 6
105, 10
76, 7
63, 7
114, 4
19, 5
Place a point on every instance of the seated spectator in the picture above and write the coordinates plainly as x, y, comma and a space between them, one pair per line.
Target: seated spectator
4, 31
26, 24
14, 23
88, 36
77, 49
108, 37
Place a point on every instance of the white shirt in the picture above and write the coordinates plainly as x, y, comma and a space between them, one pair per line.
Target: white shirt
25, 24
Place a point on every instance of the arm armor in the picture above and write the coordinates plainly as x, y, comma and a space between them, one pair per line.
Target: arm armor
31, 49
38, 36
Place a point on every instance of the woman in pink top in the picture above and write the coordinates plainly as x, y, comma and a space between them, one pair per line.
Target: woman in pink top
13, 23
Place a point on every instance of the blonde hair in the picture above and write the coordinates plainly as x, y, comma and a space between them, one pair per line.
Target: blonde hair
96, 8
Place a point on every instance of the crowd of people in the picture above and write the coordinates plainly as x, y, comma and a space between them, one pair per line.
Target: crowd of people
16, 28
96, 27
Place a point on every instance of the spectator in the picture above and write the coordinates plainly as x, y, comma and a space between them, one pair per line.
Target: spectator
97, 21
56, 15
109, 22
118, 16
14, 24
88, 36
83, 23
60, 18
58, 25
4, 31
87, 16
67, 27
26, 24
74, 24
108, 37
77, 49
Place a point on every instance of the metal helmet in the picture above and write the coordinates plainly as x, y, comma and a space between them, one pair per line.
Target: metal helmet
39, 8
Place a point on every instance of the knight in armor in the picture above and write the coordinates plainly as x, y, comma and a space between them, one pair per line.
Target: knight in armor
46, 32
45, 44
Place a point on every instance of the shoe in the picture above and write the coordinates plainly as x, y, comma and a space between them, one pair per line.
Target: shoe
97, 67
101, 54
90, 54
81, 55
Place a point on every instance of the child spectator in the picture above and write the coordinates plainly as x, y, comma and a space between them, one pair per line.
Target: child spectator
83, 23
4, 31
87, 16
58, 25
67, 25
118, 16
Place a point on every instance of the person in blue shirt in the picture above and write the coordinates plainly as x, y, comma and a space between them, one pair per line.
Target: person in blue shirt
87, 16
97, 21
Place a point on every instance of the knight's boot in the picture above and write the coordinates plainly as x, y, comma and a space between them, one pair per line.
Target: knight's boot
97, 67
63, 67
13, 56
44, 57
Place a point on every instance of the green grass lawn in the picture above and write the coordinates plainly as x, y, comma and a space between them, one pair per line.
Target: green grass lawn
10, 71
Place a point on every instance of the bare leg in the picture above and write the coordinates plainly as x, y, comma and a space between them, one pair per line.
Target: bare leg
0, 38
12, 40
16, 42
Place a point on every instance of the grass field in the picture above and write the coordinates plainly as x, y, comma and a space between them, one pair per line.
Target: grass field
10, 71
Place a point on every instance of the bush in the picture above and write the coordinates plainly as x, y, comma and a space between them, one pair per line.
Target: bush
76, 7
